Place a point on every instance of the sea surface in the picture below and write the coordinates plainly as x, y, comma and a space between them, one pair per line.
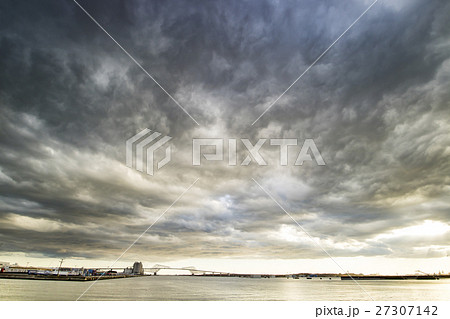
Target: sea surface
221, 288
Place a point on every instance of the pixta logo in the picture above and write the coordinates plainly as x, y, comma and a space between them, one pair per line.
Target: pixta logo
307, 149
146, 144
141, 148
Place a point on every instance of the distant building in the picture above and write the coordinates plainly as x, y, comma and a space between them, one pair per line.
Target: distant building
128, 271
138, 268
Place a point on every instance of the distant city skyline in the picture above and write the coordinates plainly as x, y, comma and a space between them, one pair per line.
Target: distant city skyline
364, 265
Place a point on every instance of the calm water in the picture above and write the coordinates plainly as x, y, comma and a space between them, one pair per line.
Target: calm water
210, 288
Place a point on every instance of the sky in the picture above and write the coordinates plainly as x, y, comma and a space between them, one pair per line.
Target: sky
377, 106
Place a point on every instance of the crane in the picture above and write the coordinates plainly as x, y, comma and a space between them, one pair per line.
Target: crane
60, 263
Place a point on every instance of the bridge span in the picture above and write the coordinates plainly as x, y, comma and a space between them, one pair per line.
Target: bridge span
194, 271
156, 268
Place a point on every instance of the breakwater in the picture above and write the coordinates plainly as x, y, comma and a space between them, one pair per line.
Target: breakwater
406, 277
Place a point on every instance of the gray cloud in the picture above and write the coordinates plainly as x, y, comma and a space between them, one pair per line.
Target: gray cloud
377, 106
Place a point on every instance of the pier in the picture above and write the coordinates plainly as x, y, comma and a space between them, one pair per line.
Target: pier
62, 278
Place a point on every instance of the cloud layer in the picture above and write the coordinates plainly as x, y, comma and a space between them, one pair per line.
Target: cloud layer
377, 106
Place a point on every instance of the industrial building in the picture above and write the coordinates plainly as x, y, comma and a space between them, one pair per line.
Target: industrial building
138, 268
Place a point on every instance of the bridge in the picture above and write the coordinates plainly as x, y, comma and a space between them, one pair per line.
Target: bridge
194, 271
156, 268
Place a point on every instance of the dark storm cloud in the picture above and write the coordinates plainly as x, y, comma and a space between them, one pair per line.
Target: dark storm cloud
377, 106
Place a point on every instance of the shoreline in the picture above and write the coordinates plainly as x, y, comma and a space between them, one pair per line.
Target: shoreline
63, 278
314, 277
